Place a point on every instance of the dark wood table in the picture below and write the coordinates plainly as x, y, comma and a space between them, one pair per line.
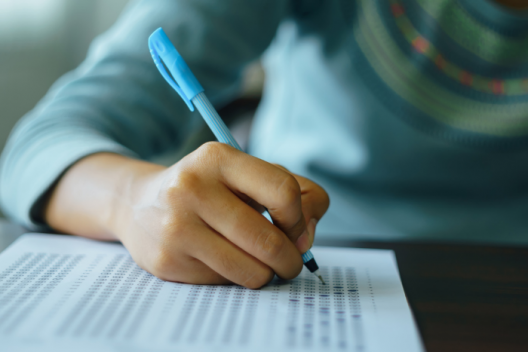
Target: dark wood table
464, 297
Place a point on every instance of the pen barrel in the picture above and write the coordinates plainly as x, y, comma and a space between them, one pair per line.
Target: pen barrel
222, 133
219, 128
307, 256
214, 121
311, 265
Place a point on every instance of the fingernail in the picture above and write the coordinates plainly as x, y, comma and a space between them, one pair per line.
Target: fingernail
311, 230
303, 242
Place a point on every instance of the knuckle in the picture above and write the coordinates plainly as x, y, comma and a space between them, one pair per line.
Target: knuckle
228, 263
271, 243
184, 185
162, 265
172, 239
254, 279
289, 190
173, 228
168, 224
186, 181
258, 279
281, 167
212, 150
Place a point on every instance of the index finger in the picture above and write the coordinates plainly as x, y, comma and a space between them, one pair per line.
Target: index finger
263, 182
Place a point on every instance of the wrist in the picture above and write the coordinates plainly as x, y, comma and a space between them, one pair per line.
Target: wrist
93, 198
135, 184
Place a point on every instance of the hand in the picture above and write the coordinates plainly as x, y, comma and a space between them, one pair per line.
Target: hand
196, 222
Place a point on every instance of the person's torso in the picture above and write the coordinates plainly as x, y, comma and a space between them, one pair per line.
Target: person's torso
406, 99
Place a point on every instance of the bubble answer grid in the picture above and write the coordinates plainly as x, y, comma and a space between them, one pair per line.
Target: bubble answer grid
59, 292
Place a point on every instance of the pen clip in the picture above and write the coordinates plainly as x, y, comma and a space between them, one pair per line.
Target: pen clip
168, 78
164, 52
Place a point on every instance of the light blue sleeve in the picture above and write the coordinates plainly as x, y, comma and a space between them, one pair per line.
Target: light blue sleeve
116, 101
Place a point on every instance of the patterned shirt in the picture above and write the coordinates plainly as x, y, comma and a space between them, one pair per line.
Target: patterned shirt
413, 114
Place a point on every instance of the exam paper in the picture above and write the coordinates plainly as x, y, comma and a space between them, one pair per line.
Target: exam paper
62, 293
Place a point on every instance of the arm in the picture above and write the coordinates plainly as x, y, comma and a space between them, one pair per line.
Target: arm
117, 102
190, 222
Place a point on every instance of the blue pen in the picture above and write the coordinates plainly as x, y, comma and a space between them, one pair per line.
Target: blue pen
188, 87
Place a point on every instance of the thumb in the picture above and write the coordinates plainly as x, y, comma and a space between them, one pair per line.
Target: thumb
315, 203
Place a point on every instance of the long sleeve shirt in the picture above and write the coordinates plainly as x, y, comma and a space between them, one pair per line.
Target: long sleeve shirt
413, 114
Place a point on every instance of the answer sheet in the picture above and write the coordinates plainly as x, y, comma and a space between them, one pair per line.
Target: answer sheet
61, 293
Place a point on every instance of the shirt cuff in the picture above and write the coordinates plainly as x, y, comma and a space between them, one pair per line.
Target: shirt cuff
28, 176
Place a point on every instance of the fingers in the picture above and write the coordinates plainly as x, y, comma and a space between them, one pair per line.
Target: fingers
268, 185
230, 261
315, 203
192, 252
216, 236
190, 271
250, 231
168, 263
208, 258
195, 221
314, 199
165, 255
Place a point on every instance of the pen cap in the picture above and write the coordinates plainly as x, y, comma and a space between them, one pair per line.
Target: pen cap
184, 82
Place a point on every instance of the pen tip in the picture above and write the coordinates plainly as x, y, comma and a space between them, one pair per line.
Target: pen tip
321, 278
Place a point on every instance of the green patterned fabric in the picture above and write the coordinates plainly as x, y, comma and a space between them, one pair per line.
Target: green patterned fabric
412, 114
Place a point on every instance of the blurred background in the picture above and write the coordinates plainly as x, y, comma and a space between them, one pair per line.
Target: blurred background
39, 41
42, 39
